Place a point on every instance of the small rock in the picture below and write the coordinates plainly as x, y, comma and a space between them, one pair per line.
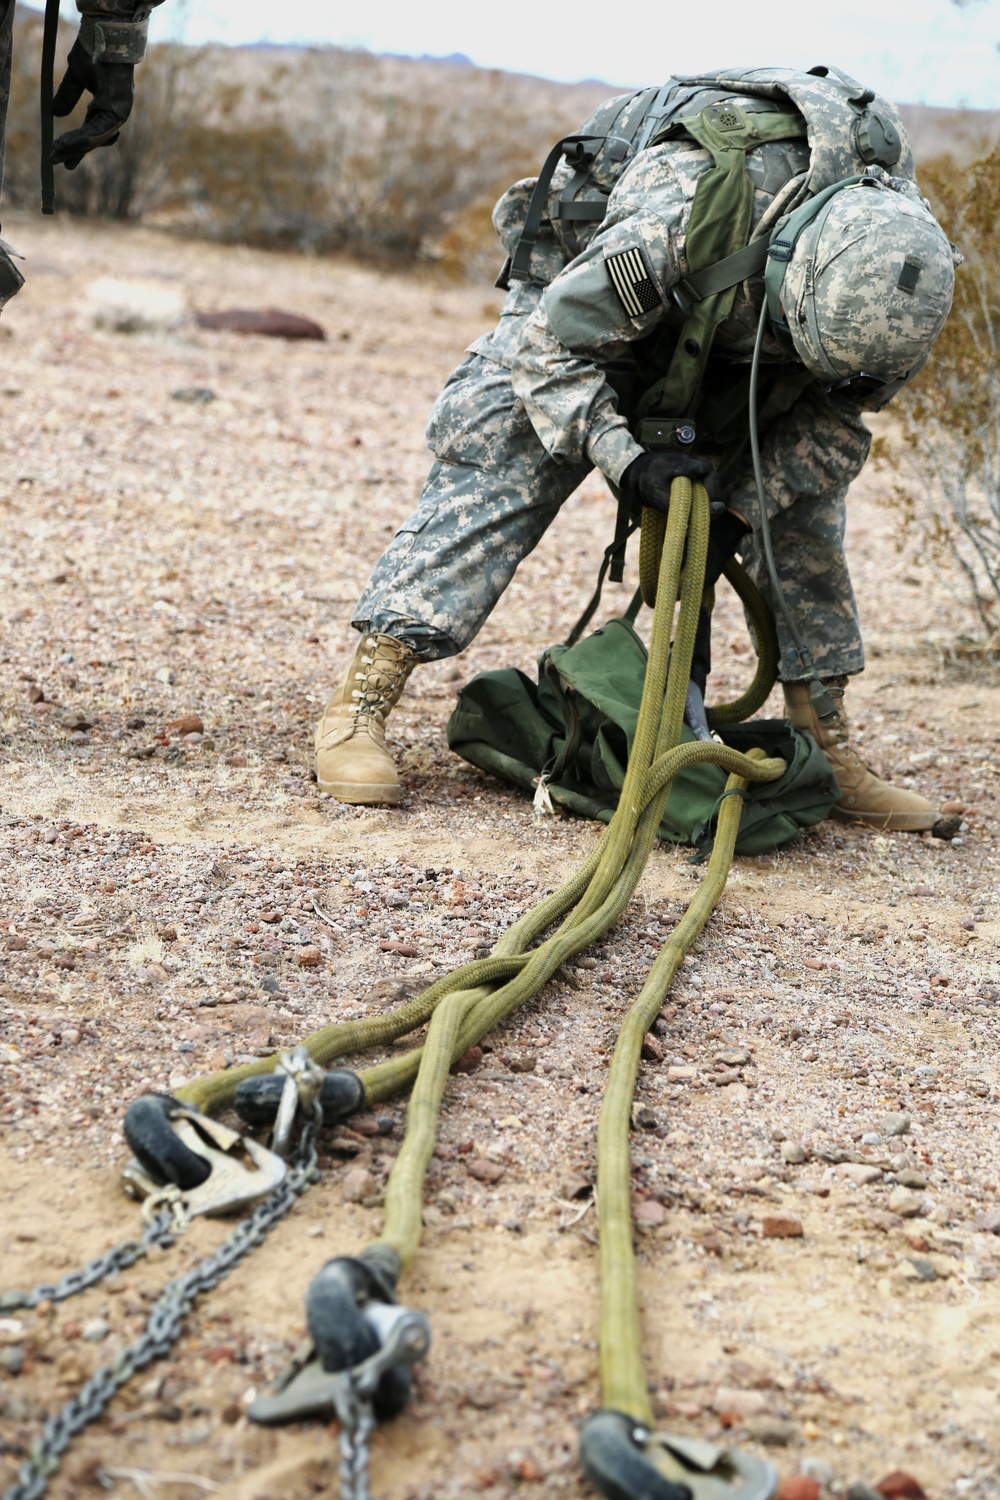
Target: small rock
166, 675
12, 1360
187, 724
576, 1187
890, 1125
649, 1213
861, 1492
740, 1403
953, 807
521, 1062
309, 957
684, 1075
920, 1267
234, 760
16, 944
798, 1487
881, 1219
900, 1486
358, 1185
469, 1061
486, 1171
95, 1329
911, 1178
792, 1153
405, 950
780, 1227
196, 395
990, 1222
733, 1059
905, 1203
857, 1172
652, 1049
947, 827
644, 1118
813, 963
773, 1432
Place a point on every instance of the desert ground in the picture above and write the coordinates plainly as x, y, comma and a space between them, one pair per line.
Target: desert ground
188, 517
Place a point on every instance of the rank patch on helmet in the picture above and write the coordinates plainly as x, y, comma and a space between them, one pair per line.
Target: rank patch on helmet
631, 280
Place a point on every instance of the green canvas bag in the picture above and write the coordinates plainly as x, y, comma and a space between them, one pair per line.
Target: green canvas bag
575, 727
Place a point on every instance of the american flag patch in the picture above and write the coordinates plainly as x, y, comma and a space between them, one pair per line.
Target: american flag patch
631, 280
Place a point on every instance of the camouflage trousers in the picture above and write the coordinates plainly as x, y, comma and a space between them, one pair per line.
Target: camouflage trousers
494, 490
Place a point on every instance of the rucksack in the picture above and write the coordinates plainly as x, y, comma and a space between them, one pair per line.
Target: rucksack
573, 731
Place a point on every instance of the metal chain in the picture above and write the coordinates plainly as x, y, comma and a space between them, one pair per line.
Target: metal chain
161, 1231
355, 1435
164, 1324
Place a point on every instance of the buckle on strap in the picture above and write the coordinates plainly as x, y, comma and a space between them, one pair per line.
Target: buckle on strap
622, 1456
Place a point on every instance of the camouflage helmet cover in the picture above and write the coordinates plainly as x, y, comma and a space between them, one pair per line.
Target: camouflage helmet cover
869, 282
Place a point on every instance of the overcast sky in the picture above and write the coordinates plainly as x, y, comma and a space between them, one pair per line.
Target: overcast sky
929, 51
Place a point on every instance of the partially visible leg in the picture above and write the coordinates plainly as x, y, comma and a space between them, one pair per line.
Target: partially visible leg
487, 502
809, 460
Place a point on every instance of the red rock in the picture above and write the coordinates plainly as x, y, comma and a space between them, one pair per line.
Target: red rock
486, 1171
187, 724
798, 1487
17, 944
405, 950
271, 322
652, 1049
528, 1470
780, 1227
309, 957
468, 1062
650, 1213
952, 807
813, 963
220, 1354
900, 1486
918, 1242
235, 760
357, 1184
271, 916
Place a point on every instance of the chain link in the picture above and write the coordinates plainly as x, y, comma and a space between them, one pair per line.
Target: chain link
161, 1231
166, 1317
355, 1435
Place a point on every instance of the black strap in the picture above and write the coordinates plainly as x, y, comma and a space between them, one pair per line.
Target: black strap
50, 36
719, 278
520, 269
591, 209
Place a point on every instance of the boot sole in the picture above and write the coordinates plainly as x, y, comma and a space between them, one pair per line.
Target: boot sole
371, 794
887, 822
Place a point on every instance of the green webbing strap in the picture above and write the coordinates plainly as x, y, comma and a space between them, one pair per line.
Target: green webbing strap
721, 216
614, 558
50, 36
698, 285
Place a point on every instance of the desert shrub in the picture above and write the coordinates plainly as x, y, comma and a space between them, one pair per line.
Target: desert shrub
950, 500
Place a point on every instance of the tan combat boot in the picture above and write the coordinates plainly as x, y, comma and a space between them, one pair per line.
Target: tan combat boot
352, 763
863, 795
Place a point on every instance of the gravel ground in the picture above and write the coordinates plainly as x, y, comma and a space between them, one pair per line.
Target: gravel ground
816, 1158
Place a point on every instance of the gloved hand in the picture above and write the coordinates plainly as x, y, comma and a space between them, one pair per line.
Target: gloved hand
112, 86
648, 478
725, 533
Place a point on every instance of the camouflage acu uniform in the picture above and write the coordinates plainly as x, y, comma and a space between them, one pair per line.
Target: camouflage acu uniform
545, 397
6, 39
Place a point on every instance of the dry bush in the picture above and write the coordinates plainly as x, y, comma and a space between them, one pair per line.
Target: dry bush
951, 415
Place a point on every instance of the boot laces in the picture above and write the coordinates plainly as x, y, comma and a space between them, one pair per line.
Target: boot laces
381, 682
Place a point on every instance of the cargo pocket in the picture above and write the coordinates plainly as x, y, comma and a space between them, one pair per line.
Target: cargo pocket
477, 420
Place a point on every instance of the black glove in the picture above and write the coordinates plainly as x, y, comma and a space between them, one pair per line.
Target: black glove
725, 533
648, 478
112, 87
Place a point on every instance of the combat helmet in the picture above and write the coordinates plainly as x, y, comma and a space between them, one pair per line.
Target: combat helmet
861, 278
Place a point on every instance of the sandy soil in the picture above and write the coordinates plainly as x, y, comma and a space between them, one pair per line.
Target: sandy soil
166, 556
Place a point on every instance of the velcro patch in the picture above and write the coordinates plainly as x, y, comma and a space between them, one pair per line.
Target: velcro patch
631, 280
